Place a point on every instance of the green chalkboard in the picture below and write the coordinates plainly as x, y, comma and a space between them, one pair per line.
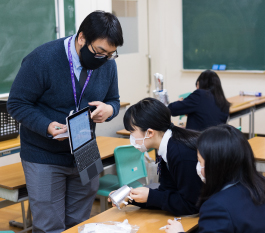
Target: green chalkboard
230, 32
69, 17
24, 25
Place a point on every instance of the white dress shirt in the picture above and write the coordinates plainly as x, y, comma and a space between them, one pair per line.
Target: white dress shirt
162, 151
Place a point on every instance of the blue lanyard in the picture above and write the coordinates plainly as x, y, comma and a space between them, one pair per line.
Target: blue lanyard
73, 76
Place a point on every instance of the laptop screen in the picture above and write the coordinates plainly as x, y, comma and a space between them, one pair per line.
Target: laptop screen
79, 126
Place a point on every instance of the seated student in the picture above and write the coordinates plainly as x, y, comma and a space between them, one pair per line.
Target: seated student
149, 122
233, 197
205, 107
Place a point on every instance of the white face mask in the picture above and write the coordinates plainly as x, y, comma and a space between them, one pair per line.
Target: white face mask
142, 147
199, 172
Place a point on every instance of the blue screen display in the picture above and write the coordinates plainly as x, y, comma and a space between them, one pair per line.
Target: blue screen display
80, 130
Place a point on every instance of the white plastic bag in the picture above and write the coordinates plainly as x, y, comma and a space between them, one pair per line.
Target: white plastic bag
151, 168
110, 227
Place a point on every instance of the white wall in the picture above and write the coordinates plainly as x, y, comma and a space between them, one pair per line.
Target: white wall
84, 7
167, 52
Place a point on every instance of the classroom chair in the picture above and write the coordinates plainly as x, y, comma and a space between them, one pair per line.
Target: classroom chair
130, 166
185, 95
7, 232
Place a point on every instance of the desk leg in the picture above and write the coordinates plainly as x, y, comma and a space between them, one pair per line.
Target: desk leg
250, 124
27, 221
103, 203
253, 123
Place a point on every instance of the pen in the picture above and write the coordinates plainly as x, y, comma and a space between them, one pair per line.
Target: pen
164, 227
57, 127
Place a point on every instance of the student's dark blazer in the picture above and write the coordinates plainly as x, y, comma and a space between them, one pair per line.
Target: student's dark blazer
201, 108
180, 185
232, 211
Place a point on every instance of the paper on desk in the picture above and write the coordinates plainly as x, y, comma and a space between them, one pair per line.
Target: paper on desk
62, 135
110, 227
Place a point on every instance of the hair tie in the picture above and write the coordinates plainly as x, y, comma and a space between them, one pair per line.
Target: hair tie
171, 126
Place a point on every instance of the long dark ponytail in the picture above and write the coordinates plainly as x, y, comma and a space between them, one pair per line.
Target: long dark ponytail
151, 113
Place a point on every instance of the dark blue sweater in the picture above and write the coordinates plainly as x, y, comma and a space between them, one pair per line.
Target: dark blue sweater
42, 93
202, 110
232, 211
179, 183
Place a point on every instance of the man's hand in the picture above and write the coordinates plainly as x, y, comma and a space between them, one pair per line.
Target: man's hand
56, 128
102, 112
140, 195
174, 226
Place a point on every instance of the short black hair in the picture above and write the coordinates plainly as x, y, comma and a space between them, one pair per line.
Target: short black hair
102, 25
229, 158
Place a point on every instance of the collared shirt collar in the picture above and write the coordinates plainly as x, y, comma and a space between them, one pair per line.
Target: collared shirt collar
75, 57
162, 151
229, 184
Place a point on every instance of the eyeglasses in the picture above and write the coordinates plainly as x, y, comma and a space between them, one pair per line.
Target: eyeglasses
100, 55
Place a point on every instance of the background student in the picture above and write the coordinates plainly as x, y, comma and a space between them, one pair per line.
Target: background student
233, 197
205, 107
149, 122
41, 97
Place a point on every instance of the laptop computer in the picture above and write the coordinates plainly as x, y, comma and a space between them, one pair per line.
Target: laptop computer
83, 145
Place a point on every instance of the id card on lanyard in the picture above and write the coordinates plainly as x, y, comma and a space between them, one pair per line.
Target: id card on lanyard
77, 105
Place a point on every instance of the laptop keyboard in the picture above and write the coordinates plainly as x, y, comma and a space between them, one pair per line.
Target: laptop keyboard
86, 155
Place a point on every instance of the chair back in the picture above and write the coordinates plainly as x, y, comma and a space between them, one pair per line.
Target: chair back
130, 164
7, 231
185, 95
239, 128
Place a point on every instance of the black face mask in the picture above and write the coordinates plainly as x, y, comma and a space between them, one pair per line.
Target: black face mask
88, 60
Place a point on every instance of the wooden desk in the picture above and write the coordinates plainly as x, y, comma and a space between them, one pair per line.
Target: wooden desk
7, 144
12, 176
245, 105
106, 145
124, 104
11, 146
241, 102
258, 146
123, 132
147, 220
13, 189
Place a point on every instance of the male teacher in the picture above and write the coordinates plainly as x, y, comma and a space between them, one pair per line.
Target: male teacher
42, 96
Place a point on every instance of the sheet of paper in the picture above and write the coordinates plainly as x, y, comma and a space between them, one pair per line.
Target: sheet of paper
62, 135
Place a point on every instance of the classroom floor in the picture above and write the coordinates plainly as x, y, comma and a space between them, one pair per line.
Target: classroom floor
14, 213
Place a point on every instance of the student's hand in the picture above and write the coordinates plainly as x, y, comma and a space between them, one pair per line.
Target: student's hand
54, 132
174, 226
180, 99
140, 195
110, 200
102, 112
